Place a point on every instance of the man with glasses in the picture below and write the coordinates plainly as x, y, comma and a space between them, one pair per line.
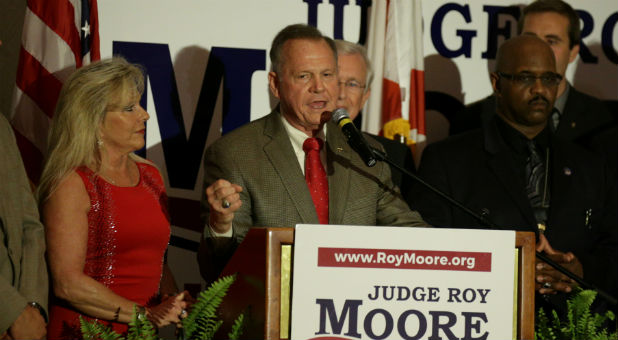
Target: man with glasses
576, 116
355, 75
520, 176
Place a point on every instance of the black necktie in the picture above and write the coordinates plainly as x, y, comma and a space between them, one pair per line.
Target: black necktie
536, 187
554, 119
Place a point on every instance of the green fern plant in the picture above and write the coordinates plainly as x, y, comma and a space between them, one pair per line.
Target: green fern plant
92, 330
139, 329
201, 324
236, 330
580, 322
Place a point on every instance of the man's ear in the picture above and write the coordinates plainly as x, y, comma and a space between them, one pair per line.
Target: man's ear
495, 82
573, 53
273, 84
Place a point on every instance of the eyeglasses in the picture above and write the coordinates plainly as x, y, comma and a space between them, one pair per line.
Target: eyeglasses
547, 79
352, 85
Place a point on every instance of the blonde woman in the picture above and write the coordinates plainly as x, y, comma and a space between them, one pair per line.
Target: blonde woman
104, 208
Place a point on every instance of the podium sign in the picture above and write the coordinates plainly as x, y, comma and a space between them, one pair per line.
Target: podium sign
353, 282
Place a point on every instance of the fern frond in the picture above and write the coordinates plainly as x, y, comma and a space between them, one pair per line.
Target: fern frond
237, 328
93, 330
206, 306
579, 323
206, 329
141, 330
543, 329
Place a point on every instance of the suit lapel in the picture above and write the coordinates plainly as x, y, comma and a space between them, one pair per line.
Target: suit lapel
571, 125
279, 151
500, 163
338, 155
561, 177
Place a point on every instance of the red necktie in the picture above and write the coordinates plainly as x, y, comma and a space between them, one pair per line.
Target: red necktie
316, 177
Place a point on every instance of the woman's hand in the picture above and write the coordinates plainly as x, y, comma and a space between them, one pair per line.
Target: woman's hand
168, 311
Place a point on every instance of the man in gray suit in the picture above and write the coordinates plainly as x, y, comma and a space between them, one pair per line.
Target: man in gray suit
255, 175
23, 273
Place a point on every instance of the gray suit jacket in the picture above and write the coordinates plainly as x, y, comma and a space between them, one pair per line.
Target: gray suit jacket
260, 158
23, 273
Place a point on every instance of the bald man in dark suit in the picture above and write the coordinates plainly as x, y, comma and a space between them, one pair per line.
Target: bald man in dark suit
570, 202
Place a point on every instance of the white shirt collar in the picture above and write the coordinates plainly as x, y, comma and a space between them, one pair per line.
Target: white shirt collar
297, 138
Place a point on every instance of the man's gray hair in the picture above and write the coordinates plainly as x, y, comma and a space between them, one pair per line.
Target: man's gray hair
350, 48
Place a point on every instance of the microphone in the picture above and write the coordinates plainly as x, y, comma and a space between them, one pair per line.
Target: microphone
353, 136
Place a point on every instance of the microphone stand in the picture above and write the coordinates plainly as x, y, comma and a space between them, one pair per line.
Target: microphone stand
382, 156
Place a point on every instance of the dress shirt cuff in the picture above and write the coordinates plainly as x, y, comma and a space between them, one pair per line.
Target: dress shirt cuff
228, 233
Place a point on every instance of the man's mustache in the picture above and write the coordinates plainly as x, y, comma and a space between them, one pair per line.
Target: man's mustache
538, 98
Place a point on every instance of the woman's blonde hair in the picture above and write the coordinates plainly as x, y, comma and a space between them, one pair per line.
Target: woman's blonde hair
85, 98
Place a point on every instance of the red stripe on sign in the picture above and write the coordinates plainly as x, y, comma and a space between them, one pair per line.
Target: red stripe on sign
37, 83
59, 15
404, 259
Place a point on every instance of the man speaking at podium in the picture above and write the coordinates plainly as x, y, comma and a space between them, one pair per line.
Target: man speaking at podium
520, 176
293, 165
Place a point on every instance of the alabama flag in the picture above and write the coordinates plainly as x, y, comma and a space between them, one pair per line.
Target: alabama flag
395, 46
58, 37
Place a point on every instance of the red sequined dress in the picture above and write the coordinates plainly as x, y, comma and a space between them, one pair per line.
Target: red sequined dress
128, 233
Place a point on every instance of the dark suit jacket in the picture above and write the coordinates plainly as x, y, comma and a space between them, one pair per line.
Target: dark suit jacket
584, 117
401, 155
259, 157
476, 169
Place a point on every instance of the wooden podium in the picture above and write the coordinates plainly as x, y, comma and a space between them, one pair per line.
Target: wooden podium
258, 288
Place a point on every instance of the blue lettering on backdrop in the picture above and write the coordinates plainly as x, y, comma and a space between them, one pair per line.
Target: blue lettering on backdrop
607, 38
338, 17
312, 12
466, 35
239, 64
158, 65
494, 31
587, 25
338, 7
182, 155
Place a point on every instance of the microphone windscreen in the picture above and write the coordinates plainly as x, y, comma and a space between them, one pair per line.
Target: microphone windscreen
339, 114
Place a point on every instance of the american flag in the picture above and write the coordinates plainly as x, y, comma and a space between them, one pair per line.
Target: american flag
58, 37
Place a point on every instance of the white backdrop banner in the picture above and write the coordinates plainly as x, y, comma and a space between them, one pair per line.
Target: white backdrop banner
207, 64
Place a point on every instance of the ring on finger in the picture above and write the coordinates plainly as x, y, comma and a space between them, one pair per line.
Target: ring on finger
547, 285
183, 313
225, 204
